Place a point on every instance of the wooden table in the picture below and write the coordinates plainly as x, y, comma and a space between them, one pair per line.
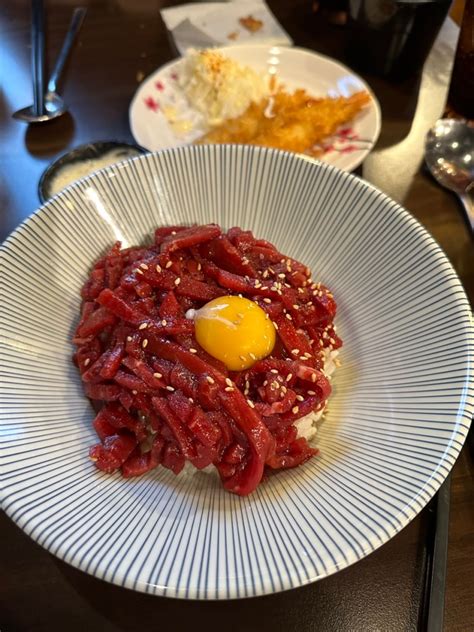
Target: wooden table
121, 42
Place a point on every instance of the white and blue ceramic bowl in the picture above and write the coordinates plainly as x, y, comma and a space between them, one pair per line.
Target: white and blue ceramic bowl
397, 419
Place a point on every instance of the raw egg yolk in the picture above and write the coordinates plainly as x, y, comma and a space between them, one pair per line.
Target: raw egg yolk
234, 330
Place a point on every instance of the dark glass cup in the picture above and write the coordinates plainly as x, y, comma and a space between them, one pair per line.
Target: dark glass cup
393, 37
461, 91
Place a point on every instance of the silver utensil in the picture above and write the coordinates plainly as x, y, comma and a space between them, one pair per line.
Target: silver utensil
449, 154
37, 62
54, 105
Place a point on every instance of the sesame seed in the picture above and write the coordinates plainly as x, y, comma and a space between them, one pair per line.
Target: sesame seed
271, 270
279, 292
265, 274
289, 316
138, 271
267, 300
337, 362
228, 382
170, 388
177, 281
173, 232
144, 343
253, 356
245, 260
275, 325
242, 357
168, 264
303, 358
311, 392
321, 342
282, 260
246, 392
284, 389
158, 268
281, 275
192, 350
296, 307
289, 376
240, 295
144, 266
191, 400
318, 285
164, 322
274, 371
199, 266
134, 392
275, 385
300, 290
295, 351
247, 384
157, 375
210, 379
265, 382
143, 326
300, 398
258, 285
313, 377
228, 389
250, 403
87, 361
129, 338
332, 341
295, 409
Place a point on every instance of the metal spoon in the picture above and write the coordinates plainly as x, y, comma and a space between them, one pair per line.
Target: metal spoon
54, 105
449, 154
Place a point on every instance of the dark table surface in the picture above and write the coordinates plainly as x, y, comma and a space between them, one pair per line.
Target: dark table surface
121, 42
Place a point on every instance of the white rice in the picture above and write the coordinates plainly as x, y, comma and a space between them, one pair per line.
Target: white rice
307, 426
219, 87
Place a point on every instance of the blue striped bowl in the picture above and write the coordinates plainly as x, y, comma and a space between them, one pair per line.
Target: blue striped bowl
398, 416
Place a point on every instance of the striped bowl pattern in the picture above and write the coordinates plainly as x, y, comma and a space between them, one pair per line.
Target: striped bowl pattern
397, 419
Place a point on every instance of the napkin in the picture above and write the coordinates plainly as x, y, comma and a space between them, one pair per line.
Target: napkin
208, 24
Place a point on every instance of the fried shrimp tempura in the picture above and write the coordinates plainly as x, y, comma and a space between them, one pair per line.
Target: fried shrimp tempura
294, 122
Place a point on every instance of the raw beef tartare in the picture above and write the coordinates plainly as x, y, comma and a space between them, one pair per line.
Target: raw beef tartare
207, 347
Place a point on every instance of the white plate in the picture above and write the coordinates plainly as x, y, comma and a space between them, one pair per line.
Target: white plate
398, 416
295, 67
